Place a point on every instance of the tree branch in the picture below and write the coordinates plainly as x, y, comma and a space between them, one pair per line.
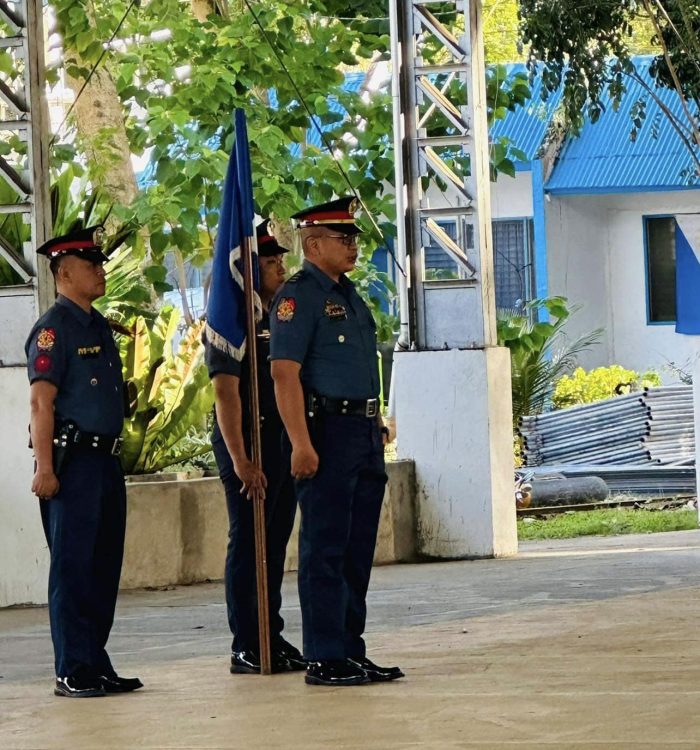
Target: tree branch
672, 68
677, 126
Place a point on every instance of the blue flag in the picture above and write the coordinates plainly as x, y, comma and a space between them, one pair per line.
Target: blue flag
688, 273
226, 313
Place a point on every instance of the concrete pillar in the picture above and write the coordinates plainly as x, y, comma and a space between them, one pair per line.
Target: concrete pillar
24, 554
453, 418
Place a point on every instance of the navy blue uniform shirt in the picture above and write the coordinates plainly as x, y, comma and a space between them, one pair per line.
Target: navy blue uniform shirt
75, 351
219, 362
327, 328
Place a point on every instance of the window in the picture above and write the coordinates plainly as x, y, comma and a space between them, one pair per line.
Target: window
512, 257
514, 270
660, 244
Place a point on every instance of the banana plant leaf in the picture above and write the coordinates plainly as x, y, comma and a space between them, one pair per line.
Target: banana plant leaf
174, 394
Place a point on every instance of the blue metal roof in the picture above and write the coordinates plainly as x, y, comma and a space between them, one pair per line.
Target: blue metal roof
352, 84
603, 159
527, 125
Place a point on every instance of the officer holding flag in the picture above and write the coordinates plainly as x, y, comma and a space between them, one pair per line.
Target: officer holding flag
241, 477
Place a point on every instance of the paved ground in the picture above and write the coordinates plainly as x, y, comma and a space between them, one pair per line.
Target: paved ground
590, 643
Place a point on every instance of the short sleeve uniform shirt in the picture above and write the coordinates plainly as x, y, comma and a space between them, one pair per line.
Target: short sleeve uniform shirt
327, 328
75, 350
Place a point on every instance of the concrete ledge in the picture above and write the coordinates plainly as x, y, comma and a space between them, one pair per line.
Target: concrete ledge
177, 529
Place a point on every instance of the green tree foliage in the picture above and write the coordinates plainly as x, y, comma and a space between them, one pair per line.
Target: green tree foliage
180, 79
179, 94
588, 46
583, 387
539, 352
500, 20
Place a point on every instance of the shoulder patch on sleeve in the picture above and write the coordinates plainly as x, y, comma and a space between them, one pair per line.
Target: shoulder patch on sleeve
42, 363
46, 339
285, 309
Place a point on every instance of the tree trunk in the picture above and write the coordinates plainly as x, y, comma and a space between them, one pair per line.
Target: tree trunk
100, 122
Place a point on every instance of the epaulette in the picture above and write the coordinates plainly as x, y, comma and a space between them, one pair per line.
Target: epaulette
298, 275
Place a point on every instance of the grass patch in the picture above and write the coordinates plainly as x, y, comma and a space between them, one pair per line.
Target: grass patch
606, 523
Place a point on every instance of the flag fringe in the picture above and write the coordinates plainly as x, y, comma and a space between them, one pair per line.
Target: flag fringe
222, 344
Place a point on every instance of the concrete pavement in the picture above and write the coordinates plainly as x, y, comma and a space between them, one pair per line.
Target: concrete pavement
589, 643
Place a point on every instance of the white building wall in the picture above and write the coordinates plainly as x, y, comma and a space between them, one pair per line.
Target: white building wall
596, 258
635, 343
577, 261
511, 197
23, 550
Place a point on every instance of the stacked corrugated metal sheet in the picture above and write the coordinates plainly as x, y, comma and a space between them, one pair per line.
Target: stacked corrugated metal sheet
653, 426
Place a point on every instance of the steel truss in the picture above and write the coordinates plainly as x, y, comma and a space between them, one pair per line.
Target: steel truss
443, 169
24, 126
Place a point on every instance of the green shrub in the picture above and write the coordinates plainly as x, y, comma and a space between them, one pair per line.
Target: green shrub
583, 387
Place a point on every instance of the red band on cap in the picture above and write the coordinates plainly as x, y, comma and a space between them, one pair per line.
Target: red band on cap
328, 216
265, 239
73, 245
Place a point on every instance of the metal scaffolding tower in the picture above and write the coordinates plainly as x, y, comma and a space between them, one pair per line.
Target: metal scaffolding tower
24, 167
443, 173
24, 125
451, 382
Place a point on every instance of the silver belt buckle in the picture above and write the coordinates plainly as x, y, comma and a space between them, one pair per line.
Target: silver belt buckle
116, 447
372, 407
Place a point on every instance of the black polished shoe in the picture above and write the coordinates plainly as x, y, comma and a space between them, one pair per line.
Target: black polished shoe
78, 687
116, 684
335, 673
245, 662
374, 671
285, 652
248, 662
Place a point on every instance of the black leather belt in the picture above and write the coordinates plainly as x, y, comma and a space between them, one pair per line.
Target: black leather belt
366, 407
103, 443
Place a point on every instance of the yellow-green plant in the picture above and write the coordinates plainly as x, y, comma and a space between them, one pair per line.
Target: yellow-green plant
583, 387
174, 398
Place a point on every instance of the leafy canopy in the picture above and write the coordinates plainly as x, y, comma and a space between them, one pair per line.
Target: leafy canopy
180, 78
589, 46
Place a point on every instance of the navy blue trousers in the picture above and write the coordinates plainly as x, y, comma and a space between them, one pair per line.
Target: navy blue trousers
84, 525
340, 509
280, 508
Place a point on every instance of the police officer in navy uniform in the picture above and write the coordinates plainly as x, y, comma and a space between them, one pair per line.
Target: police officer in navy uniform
240, 477
77, 414
324, 364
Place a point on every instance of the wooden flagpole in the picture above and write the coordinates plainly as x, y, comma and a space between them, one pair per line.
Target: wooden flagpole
256, 451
